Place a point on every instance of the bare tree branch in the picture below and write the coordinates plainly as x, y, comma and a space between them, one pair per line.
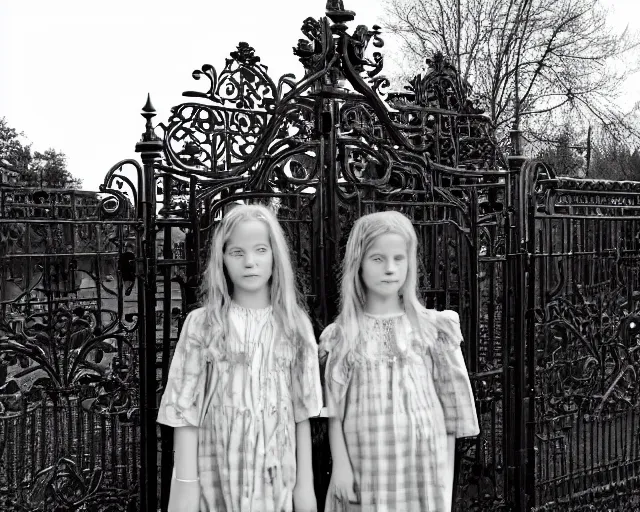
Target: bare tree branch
561, 55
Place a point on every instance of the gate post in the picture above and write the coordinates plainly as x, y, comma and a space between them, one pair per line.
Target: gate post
518, 311
150, 149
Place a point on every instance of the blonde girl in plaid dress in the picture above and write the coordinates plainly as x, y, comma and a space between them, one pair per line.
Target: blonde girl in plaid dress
244, 379
397, 389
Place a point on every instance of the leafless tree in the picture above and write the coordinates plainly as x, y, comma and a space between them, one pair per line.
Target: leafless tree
531, 63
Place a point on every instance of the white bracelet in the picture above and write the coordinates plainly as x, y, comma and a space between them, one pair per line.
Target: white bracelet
185, 481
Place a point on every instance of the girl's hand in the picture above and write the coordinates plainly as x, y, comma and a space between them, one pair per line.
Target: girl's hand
184, 496
304, 498
344, 484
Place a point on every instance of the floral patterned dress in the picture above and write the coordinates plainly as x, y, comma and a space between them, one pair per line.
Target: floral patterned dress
255, 394
398, 396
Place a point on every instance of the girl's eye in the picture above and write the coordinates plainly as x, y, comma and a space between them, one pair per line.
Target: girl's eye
399, 258
236, 253
377, 258
262, 250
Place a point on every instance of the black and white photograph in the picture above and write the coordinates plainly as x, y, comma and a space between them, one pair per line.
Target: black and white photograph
320, 256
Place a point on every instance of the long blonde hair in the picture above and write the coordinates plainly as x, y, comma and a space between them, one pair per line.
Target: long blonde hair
353, 293
216, 288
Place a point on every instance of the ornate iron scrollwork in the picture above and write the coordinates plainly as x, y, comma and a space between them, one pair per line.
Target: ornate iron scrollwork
68, 352
586, 334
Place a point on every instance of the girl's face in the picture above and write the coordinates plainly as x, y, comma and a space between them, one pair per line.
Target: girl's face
248, 257
384, 266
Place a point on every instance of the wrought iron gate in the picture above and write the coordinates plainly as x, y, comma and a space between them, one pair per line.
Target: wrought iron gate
322, 151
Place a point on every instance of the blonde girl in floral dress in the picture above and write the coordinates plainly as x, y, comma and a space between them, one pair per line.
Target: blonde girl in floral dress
244, 379
397, 389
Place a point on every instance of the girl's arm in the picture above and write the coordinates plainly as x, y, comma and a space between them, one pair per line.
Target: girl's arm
184, 495
185, 447
451, 458
454, 389
339, 453
343, 485
304, 497
304, 475
342, 477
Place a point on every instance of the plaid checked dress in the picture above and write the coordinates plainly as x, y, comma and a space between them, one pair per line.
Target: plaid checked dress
398, 398
255, 394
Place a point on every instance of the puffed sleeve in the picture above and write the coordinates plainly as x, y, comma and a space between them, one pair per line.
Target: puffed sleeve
183, 394
452, 379
337, 370
307, 391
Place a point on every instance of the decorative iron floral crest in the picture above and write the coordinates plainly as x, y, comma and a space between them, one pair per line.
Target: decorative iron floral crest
443, 87
243, 83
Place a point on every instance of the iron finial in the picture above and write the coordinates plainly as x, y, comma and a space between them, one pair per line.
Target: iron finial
337, 13
149, 112
150, 145
148, 106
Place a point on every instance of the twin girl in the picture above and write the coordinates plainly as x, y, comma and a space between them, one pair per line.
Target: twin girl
244, 379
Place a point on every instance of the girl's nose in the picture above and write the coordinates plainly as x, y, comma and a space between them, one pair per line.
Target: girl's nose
249, 260
391, 267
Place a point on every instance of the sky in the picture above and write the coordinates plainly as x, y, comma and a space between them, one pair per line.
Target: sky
74, 74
